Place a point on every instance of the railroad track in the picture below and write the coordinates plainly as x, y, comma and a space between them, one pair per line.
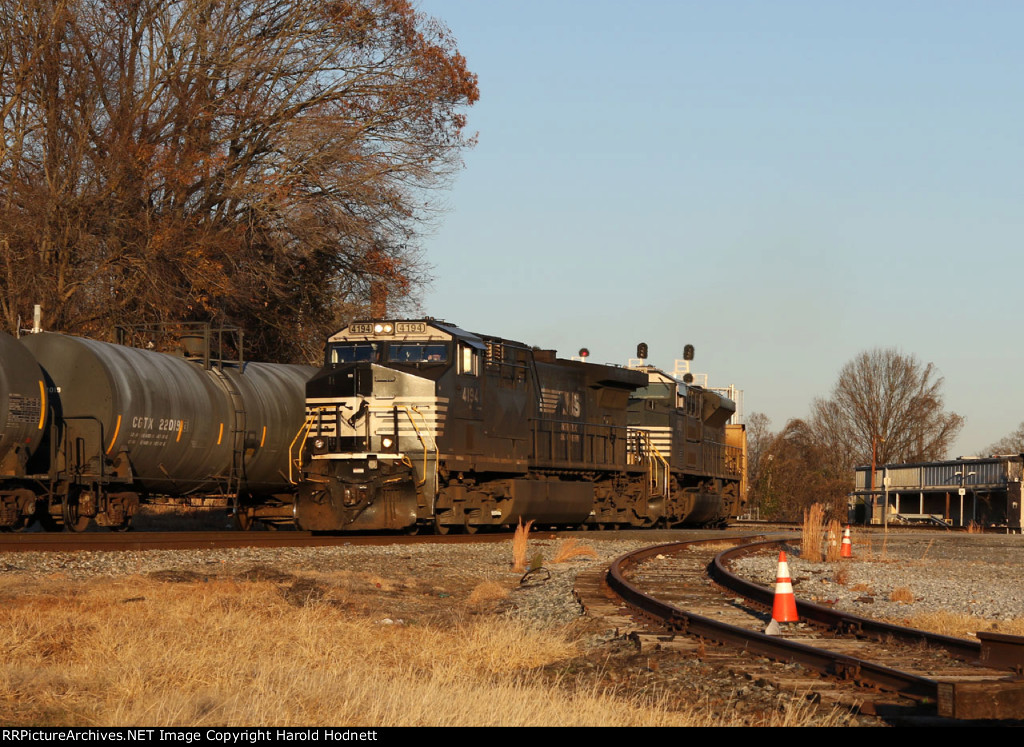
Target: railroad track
682, 596
207, 540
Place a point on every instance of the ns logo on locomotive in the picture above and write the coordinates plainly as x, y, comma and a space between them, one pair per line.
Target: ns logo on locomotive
419, 423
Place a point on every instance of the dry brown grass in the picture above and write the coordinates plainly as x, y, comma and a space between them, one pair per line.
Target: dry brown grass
487, 592
812, 533
975, 528
841, 576
520, 540
866, 588
902, 594
571, 548
229, 652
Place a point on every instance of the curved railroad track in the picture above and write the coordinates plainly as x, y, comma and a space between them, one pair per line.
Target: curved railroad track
684, 597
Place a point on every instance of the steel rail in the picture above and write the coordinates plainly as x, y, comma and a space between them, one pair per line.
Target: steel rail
836, 620
960, 700
213, 540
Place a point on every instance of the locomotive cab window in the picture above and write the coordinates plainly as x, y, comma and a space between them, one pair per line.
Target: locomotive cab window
469, 361
353, 352
418, 352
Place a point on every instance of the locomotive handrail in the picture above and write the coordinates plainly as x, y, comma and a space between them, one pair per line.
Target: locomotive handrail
666, 487
408, 410
300, 438
647, 455
295, 461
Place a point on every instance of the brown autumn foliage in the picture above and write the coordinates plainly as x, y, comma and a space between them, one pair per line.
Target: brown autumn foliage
255, 162
795, 473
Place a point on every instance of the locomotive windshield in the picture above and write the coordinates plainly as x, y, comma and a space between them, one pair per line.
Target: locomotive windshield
354, 352
418, 352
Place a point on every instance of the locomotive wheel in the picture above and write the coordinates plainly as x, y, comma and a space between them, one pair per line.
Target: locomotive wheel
468, 517
440, 528
72, 520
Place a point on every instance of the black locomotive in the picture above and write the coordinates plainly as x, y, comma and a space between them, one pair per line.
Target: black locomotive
419, 423
89, 429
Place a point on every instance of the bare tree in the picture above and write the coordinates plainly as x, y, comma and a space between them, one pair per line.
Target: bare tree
886, 400
1009, 444
261, 162
759, 439
882, 398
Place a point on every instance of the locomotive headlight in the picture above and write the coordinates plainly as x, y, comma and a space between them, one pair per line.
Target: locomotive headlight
383, 328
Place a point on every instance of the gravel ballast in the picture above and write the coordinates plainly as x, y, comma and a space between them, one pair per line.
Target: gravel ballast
969, 574
430, 583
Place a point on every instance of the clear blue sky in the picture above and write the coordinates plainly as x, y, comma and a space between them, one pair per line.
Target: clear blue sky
782, 184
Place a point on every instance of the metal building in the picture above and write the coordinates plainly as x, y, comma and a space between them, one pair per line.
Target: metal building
984, 491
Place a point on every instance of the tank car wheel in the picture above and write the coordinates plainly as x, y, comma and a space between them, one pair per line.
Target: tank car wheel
73, 522
20, 524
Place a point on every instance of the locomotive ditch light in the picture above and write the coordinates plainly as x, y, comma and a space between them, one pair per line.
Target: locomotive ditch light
319, 445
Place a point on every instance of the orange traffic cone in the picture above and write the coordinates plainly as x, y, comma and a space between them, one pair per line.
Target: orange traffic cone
784, 607
846, 551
